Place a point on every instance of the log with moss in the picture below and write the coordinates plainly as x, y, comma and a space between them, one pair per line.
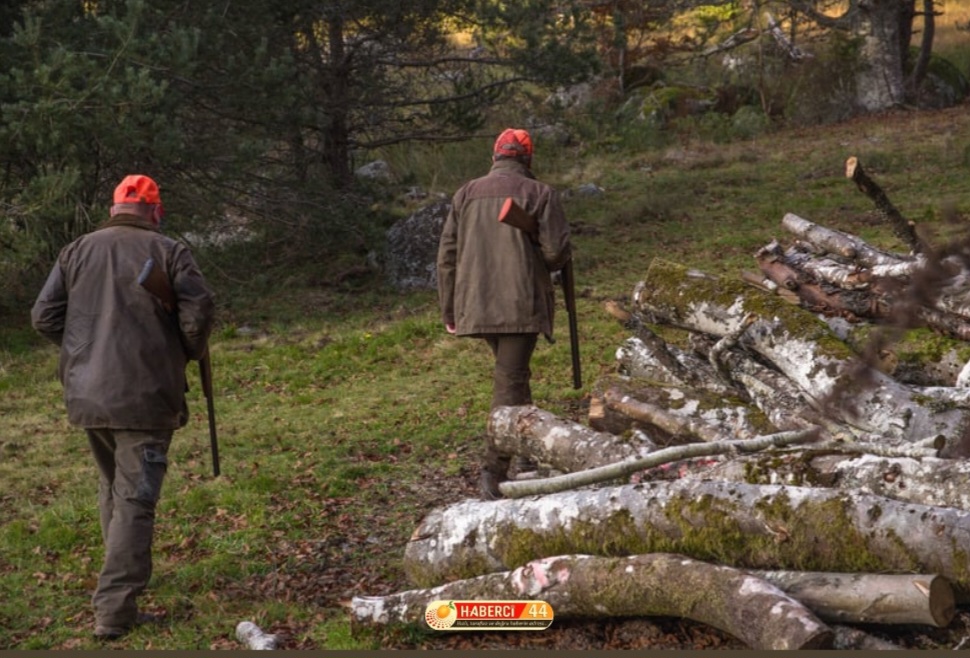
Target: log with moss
741, 525
559, 443
924, 480
579, 586
802, 347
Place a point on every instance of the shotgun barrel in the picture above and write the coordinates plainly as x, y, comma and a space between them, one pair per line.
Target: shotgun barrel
154, 280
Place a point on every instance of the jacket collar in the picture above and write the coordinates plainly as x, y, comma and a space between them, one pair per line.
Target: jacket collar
129, 220
510, 166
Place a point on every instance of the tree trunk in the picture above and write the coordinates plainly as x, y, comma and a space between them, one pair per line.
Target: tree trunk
803, 348
879, 80
752, 610
742, 525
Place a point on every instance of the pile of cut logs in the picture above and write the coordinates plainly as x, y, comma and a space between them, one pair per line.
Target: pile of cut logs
776, 456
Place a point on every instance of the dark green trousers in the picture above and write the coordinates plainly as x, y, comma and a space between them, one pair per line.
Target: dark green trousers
510, 380
132, 465
510, 384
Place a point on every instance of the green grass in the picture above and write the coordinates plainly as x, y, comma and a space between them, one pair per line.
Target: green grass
345, 417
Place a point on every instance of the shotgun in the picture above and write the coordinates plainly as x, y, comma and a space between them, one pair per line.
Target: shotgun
514, 215
154, 281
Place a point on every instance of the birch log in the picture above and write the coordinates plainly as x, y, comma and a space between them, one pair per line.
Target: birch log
842, 244
742, 525
531, 487
773, 397
925, 480
863, 598
848, 638
803, 348
680, 414
741, 604
554, 441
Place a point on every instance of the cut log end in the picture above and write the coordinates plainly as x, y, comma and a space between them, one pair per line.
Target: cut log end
942, 601
851, 166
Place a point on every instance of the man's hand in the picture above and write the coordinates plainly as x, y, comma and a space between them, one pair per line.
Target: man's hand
450, 327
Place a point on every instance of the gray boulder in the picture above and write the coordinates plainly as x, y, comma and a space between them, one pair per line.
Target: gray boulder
412, 248
378, 170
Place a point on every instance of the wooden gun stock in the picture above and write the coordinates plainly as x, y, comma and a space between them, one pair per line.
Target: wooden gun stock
154, 280
514, 215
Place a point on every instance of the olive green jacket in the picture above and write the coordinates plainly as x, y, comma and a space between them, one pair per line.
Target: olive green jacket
492, 278
123, 357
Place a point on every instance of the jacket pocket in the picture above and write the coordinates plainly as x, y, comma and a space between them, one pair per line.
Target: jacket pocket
153, 468
78, 332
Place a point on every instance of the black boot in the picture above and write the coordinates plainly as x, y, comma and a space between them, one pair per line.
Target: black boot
494, 472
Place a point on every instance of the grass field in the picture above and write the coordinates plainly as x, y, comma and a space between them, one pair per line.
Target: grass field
346, 414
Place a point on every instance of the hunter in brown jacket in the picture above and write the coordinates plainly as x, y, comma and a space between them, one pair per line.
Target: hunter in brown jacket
122, 365
494, 281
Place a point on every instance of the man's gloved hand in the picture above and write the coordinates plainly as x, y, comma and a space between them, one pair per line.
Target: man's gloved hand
557, 278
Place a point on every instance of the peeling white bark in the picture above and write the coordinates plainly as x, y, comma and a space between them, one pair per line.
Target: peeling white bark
562, 444
782, 528
749, 608
805, 351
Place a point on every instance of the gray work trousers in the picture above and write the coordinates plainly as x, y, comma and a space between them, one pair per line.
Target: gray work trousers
132, 465
510, 383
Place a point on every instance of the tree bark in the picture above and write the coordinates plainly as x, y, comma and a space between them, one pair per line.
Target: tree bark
901, 227
626, 468
879, 77
695, 420
920, 480
803, 348
564, 445
870, 284
848, 638
842, 244
752, 610
861, 598
742, 525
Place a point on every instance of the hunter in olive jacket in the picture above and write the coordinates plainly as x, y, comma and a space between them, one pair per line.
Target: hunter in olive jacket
492, 278
123, 357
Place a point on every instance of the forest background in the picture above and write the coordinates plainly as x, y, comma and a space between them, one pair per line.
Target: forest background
345, 411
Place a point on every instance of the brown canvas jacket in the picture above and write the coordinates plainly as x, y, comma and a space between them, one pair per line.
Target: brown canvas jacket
492, 278
123, 358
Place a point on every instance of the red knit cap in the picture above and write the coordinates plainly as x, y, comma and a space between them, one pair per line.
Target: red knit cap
137, 188
513, 142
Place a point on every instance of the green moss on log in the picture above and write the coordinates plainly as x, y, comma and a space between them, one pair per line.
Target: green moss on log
667, 290
814, 536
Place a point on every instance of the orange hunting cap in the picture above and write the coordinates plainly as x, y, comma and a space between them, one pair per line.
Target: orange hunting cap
136, 188
512, 143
